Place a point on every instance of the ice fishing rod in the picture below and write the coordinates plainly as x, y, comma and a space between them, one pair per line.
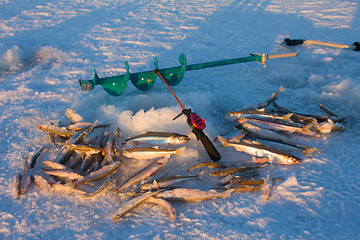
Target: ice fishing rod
293, 42
196, 123
116, 85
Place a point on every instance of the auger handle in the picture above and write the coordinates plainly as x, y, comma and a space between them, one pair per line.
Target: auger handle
208, 145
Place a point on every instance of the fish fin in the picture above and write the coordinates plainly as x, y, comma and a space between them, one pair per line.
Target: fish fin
287, 117
223, 141
261, 109
181, 151
306, 128
156, 184
308, 152
260, 159
155, 147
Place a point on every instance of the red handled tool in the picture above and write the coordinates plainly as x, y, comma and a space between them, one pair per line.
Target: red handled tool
197, 125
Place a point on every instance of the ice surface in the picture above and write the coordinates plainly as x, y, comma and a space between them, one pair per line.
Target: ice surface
46, 46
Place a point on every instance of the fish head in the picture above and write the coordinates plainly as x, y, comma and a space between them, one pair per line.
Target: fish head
230, 116
241, 120
181, 139
293, 160
127, 153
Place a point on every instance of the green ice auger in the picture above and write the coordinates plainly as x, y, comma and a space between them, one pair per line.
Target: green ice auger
144, 81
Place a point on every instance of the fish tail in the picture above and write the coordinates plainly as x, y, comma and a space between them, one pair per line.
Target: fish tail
223, 141
227, 193
181, 151
281, 89
287, 117
308, 152
306, 128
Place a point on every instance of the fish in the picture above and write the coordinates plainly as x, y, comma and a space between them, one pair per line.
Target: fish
227, 171
159, 138
131, 204
64, 173
206, 164
267, 102
84, 149
165, 204
259, 150
277, 125
254, 181
108, 150
234, 136
81, 137
54, 165
64, 154
73, 116
101, 173
65, 189
35, 157
328, 112
246, 188
167, 182
103, 189
193, 195
268, 134
268, 183
117, 142
42, 183
144, 173
52, 129
79, 126
149, 153
328, 126
17, 182
233, 115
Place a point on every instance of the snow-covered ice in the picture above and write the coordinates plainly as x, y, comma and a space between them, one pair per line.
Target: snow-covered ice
45, 46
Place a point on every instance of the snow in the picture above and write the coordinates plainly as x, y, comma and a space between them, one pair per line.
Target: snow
46, 46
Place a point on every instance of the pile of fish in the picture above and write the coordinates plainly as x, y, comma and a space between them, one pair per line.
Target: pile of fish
265, 124
91, 159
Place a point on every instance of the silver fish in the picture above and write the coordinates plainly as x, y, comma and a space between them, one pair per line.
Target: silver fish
276, 136
65, 189
193, 195
54, 165
259, 150
52, 129
73, 116
234, 136
17, 185
104, 171
227, 171
144, 173
267, 102
85, 149
268, 183
276, 125
150, 153
117, 142
167, 182
165, 204
206, 164
64, 173
42, 183
159, 138
131, 204
35, 157
109, 184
